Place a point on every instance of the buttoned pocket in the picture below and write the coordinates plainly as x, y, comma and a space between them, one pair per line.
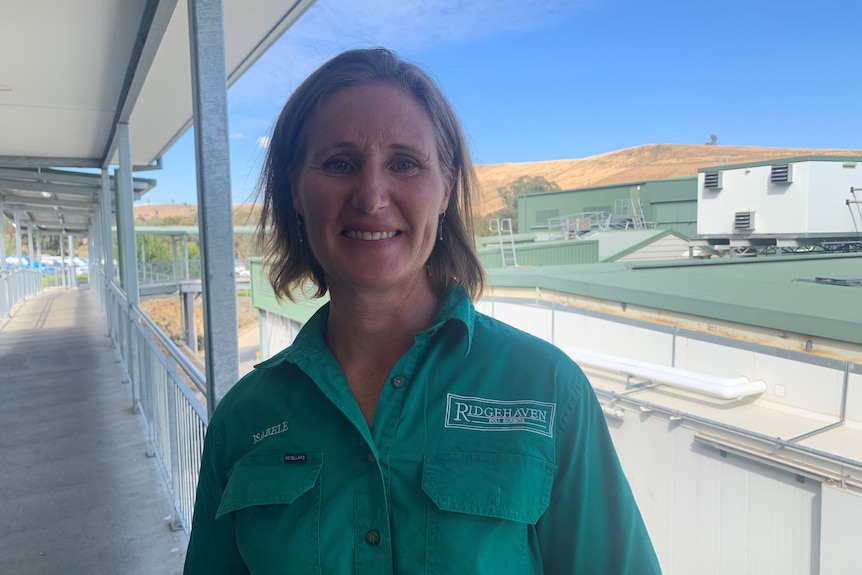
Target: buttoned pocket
275, 500
482, 511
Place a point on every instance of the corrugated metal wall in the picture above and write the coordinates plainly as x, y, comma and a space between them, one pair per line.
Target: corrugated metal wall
708, 512
545, 254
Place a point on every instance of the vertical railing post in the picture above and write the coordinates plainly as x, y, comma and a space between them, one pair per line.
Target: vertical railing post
174, 441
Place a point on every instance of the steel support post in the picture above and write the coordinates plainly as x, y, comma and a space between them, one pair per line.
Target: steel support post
73, 271
18, 237
215, 221
62, 258
30, 248
143, 259
191, 327
2, 238
128, 259
126, 216
107, 235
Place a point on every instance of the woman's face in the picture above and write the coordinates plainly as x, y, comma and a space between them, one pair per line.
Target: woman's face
371, 189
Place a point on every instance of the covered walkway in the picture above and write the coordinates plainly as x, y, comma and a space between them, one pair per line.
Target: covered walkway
78, 492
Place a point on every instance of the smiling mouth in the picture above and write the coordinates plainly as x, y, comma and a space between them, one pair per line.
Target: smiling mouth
370, 236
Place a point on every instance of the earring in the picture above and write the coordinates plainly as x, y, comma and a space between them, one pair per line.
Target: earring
299, 224
440, 226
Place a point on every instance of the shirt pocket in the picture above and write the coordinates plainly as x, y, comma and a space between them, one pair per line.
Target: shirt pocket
276, 505
482, 511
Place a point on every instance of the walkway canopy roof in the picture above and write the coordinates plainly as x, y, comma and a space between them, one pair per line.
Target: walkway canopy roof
73, 71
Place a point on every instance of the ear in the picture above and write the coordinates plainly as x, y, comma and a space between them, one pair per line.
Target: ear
447, 194
297, 205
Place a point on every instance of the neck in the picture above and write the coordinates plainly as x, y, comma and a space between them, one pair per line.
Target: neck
371, 327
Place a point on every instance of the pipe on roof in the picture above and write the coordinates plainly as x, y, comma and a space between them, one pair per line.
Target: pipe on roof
719, 387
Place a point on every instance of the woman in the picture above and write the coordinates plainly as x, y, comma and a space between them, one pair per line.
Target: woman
402, 431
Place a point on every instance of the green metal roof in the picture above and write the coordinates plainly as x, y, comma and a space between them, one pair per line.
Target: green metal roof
771, 292
794, 159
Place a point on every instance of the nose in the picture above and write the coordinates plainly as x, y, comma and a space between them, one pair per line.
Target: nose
371, 190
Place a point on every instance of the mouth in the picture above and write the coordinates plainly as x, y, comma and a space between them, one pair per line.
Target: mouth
369, 236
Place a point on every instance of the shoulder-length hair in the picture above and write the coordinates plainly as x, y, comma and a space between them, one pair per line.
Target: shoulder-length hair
292, 265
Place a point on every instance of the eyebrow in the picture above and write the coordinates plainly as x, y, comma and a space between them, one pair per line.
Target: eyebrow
348, 145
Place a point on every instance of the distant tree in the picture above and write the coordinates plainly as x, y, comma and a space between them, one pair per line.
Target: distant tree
713, 140
523, 186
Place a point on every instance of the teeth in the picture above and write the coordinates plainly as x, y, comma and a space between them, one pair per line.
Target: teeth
370, 236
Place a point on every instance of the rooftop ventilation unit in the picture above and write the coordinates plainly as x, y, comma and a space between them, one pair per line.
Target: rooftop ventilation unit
781, 174
712, 180
743, 221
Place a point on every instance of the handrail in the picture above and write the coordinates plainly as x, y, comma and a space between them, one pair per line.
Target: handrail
16, 286
175, 418
198, 378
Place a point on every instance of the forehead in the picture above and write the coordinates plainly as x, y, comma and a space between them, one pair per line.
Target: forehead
372, 109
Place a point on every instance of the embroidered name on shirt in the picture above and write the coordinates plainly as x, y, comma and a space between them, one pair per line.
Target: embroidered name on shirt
481, 414
274, 430
296, 458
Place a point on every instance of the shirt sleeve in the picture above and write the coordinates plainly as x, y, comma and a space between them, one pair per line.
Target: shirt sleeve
592, 524
212, 546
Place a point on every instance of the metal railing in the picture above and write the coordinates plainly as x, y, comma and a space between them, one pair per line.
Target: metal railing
162, 380
16, 286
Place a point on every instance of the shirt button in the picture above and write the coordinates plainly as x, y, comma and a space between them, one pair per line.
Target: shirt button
398, 381
371, 458
373, 537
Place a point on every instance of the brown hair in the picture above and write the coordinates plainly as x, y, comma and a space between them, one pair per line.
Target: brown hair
291, 262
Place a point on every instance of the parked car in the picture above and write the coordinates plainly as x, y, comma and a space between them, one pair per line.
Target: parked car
12, 262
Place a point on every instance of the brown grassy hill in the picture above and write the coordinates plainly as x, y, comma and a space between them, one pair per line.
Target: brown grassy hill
150, 212
650, 162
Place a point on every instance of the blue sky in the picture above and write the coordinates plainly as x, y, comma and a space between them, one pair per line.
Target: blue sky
560, 79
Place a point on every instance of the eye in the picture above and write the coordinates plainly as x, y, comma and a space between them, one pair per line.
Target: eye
405, 164
337, 166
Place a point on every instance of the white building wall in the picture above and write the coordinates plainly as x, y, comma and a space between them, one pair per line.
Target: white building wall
827, 195
813, 203
714, 515
842, 531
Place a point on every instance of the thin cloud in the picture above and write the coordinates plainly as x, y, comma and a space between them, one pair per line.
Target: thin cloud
410, 27
237, 136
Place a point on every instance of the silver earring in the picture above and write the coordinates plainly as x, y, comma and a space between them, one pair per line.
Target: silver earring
440, 226
299, 225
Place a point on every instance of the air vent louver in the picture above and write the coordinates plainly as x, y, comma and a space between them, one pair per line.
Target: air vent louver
781, 174
712, 180
743, 221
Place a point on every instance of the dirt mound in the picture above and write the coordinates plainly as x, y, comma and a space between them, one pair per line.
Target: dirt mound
167, 312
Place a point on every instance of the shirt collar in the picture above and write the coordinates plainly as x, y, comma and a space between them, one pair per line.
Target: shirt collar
455, 307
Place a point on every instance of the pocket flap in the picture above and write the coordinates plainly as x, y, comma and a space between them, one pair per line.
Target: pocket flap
503, 485
268, 480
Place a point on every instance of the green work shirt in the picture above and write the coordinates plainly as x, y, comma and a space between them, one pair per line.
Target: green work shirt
488, 453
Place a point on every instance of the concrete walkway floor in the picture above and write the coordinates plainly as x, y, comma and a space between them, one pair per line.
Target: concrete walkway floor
78, 494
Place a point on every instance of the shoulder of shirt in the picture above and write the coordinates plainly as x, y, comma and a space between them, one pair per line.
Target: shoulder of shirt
508, 337
252, 388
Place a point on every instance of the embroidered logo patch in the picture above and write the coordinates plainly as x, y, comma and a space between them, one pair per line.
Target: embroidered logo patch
482, 414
